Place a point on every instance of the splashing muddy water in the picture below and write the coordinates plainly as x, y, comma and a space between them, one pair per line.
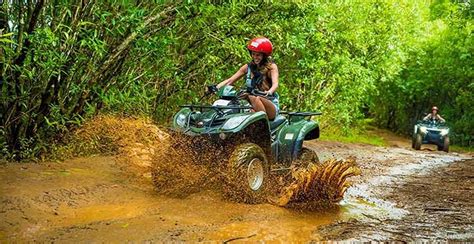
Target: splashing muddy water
181, 168
319, 185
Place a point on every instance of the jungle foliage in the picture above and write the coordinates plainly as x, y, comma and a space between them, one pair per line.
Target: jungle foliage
63, 60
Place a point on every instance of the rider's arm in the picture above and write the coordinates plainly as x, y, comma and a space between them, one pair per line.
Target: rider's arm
241, 72
427, 117
274, 74
441, 118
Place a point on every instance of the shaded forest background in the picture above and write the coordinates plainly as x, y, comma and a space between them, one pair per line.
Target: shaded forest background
64, 61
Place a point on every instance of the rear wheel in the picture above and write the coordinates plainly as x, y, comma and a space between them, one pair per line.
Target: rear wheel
308, 155
305, 160
446, 144
247, 174
418, 141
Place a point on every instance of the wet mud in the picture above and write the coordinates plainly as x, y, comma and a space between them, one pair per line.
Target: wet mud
401, 194
404, 195
436, 206
92, 199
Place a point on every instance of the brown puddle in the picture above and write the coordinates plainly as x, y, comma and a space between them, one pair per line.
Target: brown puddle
283, 226
95, 213
90, 199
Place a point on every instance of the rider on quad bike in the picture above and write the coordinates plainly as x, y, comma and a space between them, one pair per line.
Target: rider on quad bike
262, 74
434, 115
431, 130
244, 142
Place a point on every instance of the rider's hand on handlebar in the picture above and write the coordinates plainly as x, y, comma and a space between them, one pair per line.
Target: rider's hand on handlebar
211, 89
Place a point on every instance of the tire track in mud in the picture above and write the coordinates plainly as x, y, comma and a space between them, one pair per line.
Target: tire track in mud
382, 184
384, 203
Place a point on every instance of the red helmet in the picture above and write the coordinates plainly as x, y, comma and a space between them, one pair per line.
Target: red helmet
261, 45
434, 108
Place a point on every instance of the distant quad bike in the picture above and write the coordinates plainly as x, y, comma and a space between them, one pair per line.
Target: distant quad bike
431, 132
251, 145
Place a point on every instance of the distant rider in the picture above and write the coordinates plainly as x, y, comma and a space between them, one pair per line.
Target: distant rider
262, 74
434, 115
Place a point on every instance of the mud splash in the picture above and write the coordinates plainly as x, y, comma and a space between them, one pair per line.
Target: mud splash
319, 185
178, 170
181, 168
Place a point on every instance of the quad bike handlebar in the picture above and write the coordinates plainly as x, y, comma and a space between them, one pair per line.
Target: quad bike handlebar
200, 107
431, 122
212, 89
256, 92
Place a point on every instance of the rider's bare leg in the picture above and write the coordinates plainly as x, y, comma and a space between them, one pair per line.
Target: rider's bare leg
269, 107
256, 104
263, 104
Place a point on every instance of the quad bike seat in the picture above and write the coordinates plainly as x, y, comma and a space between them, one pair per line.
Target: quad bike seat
279, 119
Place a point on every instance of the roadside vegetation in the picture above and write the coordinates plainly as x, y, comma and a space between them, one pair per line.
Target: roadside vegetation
363, 131
64, 62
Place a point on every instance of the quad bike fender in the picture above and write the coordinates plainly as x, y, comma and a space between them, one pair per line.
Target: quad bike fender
309, 131
290, 138
235, 123
254, 127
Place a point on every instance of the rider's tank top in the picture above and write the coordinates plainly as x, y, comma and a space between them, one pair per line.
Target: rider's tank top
257, 77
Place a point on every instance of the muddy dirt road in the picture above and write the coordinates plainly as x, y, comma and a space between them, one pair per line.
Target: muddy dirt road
401, 195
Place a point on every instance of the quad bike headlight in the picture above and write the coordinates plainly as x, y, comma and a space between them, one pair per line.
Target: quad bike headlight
233, 122
423, 130
444, 132
181, 120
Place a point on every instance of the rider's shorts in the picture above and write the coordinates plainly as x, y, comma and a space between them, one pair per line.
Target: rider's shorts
275, 102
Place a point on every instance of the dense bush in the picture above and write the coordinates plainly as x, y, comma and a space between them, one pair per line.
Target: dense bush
63, 60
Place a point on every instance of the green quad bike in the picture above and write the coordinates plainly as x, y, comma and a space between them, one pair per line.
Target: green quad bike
431, 132
246, 145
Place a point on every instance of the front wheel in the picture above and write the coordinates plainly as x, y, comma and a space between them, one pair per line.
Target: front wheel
418, 141
446, 144
247, 174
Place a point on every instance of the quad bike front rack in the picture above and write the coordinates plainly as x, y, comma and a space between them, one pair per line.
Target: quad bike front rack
218, 109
